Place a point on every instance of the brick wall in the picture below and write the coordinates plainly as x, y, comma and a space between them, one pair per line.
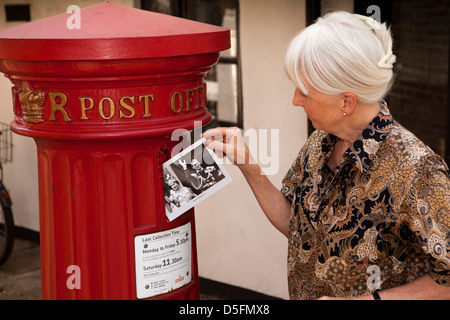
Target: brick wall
418, 99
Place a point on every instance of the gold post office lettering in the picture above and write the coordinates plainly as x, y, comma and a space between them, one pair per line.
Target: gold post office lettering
125, 107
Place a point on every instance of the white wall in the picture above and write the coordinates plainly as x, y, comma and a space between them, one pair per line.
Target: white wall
20, 175
236, 243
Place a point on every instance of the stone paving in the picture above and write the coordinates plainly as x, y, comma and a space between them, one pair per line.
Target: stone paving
20, 275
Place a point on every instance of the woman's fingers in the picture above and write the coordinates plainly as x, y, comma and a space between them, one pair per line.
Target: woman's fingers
216, 145
214, 133
227, 141
222, 133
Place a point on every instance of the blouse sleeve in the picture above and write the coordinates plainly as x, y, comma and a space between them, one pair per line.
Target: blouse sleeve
429, 211
290, 180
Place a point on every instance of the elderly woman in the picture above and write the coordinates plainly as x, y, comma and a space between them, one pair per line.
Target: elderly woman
365, 205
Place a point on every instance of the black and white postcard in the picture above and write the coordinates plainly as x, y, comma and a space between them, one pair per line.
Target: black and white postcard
190, 177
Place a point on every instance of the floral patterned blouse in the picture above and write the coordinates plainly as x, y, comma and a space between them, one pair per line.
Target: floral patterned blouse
381, 221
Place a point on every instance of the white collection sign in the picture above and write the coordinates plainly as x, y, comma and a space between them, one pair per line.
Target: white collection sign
163, 261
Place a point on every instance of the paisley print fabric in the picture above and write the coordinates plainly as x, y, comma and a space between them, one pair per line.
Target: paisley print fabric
387, 206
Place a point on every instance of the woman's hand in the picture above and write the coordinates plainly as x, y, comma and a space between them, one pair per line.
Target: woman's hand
228, 141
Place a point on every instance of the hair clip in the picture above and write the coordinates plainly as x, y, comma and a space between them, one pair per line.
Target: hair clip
385, 63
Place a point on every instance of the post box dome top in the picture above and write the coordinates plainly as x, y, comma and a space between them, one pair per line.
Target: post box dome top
109, 31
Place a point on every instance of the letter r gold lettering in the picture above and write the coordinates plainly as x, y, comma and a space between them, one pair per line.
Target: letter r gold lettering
58, 106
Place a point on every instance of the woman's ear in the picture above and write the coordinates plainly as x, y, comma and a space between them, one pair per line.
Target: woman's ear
349, 102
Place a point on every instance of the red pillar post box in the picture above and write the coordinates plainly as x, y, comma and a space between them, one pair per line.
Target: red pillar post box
101, 102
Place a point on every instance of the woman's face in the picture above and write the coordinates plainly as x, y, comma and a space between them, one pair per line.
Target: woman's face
174, 185
195, 164
323, 110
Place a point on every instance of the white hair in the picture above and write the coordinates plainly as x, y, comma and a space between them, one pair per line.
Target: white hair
343, 52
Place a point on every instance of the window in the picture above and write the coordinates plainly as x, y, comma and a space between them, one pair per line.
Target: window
17, 12
224, 92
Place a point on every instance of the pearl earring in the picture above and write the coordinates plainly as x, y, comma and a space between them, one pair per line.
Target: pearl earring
344, 114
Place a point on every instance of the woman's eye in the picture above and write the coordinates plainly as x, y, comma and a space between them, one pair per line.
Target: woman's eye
302, 94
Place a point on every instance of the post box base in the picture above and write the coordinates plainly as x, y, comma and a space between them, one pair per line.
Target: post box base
95, 200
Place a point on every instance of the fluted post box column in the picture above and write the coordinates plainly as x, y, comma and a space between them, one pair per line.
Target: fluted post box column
101, 103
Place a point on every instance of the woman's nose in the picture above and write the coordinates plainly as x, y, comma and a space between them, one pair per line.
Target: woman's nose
298, 100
